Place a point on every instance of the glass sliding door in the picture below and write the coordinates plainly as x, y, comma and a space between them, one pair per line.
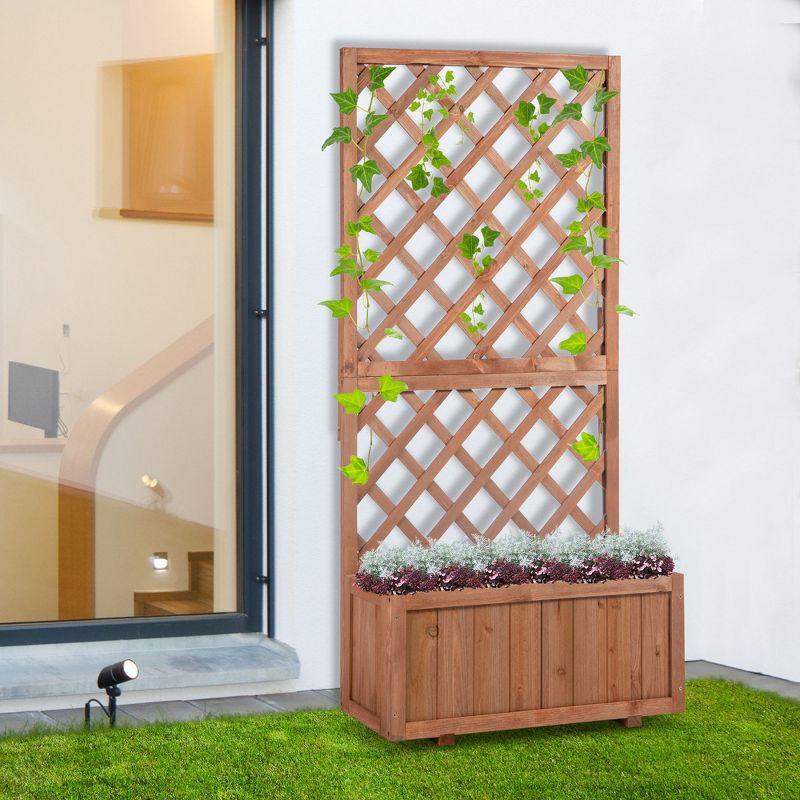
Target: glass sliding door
118, 319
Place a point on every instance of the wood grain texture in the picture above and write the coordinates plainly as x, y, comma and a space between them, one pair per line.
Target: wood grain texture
455, 664
624, 648
491, 659
365, 667
421, 665
557, 653
591, 644
525, 653
655, 646
676, 643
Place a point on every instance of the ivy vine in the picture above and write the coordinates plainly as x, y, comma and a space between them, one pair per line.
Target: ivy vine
354, 259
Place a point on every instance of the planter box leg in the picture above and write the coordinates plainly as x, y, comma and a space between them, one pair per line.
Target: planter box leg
444, 739
631, 722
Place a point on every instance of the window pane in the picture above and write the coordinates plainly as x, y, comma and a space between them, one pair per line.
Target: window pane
117, 359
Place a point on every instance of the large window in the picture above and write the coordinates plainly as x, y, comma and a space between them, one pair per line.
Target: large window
130, 359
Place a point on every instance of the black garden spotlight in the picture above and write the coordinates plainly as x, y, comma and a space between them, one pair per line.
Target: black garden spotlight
109, 679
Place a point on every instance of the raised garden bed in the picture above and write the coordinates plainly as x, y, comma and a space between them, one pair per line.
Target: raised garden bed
435, 664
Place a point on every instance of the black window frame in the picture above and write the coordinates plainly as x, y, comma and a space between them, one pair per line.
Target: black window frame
253, 378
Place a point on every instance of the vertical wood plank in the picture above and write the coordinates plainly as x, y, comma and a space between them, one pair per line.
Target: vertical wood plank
348, 204
591, 644
491, 659
624, 648
610, 301
655, 645
365, 654
395, 675
676, 644
455, 666
525, 625
557, 653
422, 634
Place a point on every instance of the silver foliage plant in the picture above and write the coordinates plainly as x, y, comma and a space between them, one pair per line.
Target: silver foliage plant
565, 546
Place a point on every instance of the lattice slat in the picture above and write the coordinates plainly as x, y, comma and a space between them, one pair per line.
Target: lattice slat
480, 443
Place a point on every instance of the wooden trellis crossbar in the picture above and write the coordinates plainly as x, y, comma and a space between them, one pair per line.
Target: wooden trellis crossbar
510, 383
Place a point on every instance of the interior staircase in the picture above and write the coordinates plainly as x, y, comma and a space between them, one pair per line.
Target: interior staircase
197, 599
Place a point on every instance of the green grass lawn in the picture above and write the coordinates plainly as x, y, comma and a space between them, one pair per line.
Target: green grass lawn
732, 742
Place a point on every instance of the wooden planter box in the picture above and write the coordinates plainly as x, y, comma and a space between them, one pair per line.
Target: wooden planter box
435, 664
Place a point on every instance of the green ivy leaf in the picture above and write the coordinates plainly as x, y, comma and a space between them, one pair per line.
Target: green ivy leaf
601, 233
343, 135
570, 159
347, 266
478, 309
344, 250
528, 196
602, 97
471, 116
489, 236
428, 114
356, 470
438, 159
365, 224
577, 77
543, 128
392, 333
595, 149
371, 255
433, 79
572, 284
574, 226
525, 113
414, 105
570, 111
522, 185
534, 176
364, 173
377, 76
486, 261
339, 308
574, 344
592, 200
464, 317
628, 312
449, 76
430, 140
439, 187
372, 120
545, 102
538, 194
418, 177
575, 241
604, 262
346, 100
352, 402
373, 284
469, 245
390, 388
586, 447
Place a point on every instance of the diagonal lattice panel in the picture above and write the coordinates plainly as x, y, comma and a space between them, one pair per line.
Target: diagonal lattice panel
481, 442
478, 443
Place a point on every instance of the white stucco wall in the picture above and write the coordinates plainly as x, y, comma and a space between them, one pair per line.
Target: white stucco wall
709, 371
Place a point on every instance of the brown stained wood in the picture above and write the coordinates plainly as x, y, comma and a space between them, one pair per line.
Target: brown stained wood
655, 646
525, 654
590, 683
631, 722
491, 659
624, 648
495, 381
455, 663
422, 639
538, 717
557, 653
503, 58
482, 366
364, 687
445, 740
534, 592
676, 643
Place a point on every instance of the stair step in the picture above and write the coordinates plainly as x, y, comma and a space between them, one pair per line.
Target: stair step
156, 608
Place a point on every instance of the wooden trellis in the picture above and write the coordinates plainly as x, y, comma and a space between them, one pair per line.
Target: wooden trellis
540, 379
480, 441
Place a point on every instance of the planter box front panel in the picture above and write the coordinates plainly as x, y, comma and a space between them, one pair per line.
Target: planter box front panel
515, 657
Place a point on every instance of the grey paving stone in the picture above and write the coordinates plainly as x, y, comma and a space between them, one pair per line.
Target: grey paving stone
24, 722
73, 717
298, 701
765, 683
168, 711
332, 693
232, 706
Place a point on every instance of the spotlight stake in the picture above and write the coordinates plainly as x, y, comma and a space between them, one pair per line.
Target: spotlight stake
109, 679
